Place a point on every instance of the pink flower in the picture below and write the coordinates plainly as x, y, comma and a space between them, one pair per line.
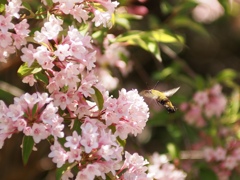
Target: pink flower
135, 165
74, 155
194, 116
61, 100
5, 23
21, 125
216, 106
207, 11
22, 28
30, 114
86, 84
209, 154
79, 13
129, 113
28, 54
6, 39
58, 154
29, 79
15, 112
67, 175
89, 172
52, 27
230, 162
220, 154
102, 18
62, 51
236, 154
89, 138
73, 141
161, 169
48, 115
13, 8
44, 57
201, 98
39, 132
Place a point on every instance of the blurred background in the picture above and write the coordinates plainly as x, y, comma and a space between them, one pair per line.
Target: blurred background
203, 50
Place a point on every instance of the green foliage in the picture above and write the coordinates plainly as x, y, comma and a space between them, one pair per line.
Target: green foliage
41, 77
149, 40
2, 7
207, 174
76, 126
124, 19
61, 170
24, 70
173, 150
27, 147
6, 96
98, 98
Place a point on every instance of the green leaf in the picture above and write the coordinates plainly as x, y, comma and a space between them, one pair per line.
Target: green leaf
121, 142
27, 6
6, 96
49, 3
232, 112
34, 109
41, 77
148, 40
129, 36
200, 83
28, 144
61, 170
76, 126
154, 49
24, 70
164, 36
98, 98
123, 19
61, 141
185, 22
173, 151
2, 8
166, 72
226, 75
207, 174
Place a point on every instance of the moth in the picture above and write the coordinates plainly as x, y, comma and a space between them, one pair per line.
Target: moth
161, 97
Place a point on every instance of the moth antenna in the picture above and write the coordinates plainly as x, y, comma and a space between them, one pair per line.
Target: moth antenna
156, 84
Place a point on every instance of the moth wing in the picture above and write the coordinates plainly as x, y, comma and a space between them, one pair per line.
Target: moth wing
171, 92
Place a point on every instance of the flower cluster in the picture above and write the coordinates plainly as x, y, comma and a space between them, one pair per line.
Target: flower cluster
82, 10
206, 104
34, 115
128, 114
95, 151
66, 61
97, 145
134, 166
13, 36
161, 169
223, 159
67, 64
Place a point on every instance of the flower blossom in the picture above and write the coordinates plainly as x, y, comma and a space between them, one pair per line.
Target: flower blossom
161, 169
208, 103
34, 115
135, 167
12, 35
128, 113
207, 11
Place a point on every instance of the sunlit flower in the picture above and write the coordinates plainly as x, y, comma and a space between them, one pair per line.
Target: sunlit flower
207, 11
